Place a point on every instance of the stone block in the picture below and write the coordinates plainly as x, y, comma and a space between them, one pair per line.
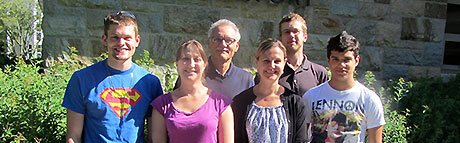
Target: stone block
346, 8
149, 23
438, 0
434, 30
403, 56
73, 3
435, 10
245, 55
140, 6
409, 8
163, 47
231, 4
267, 30
391, 71
412, 29
373, 10
387, 34
51, 7
193, 2
250, 31
433, 54
371, 58
325, 25
95, 33
55, 46
189, 20
64, 25
159, 1
316, 55
364, 30
95, 19
104, 4
229, 13
50, 47
382, 1
416, 72
96, 46
409, 44
317, 41
261, 10
321, 3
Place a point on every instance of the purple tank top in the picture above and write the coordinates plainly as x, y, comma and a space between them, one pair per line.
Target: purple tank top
199, 126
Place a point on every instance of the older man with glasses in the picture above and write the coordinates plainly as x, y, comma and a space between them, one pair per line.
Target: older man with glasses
221, 74
109, 100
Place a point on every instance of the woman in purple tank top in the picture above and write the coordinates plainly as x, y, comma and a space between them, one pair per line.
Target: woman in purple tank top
192, 112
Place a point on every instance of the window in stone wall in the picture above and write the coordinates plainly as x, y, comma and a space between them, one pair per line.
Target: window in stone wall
452, 36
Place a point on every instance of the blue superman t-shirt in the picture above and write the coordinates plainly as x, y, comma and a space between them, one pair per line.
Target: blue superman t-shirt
115, 103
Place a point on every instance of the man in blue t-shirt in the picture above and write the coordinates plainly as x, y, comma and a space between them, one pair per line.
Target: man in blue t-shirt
109, 100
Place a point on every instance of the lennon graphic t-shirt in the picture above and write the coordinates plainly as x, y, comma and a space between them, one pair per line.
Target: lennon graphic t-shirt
342, 116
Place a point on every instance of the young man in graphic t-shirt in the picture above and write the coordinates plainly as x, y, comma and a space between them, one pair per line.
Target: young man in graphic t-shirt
109, 100
342, 109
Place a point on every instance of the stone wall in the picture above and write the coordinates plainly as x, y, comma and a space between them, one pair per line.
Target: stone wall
399, 38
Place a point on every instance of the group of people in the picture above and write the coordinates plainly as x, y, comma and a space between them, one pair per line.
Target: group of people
291, 99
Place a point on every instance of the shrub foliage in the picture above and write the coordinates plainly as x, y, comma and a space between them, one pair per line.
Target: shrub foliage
30, 105
434, 110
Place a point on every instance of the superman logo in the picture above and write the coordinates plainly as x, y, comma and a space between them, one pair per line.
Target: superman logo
120, 100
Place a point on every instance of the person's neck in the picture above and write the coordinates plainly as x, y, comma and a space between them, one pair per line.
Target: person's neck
191, 88
119, 64
221, 65
342, 85
268, 88
295, 59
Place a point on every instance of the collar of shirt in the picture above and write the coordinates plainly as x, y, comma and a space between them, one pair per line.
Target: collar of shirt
306, 64
212, 72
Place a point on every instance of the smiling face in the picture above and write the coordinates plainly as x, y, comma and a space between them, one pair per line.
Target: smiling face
293, 36
270, 64
222, 43
121, 42
191, 63
342, 65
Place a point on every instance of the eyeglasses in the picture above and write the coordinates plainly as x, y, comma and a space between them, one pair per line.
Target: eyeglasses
124, 13
219, 39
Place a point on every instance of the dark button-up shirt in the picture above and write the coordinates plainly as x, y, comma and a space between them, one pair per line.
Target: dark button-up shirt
305, 77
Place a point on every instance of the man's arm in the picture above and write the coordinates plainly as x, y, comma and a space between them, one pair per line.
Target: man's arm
74, 126
149, 129
375, 134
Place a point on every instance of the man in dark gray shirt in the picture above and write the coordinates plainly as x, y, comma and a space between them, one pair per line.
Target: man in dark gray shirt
221, 74
299, 74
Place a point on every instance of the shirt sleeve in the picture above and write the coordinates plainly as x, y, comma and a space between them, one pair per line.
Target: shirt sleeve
301, 123
308, 109
73, 98
374, 111
159, 104
223, 102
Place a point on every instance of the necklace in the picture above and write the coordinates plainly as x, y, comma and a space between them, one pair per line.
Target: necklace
113, 89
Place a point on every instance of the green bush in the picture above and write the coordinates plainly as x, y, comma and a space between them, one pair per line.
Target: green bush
30, 105
396, 128
434, 108
30, 108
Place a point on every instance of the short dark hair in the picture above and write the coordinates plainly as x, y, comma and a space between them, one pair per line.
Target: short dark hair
342, 43
120, 18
